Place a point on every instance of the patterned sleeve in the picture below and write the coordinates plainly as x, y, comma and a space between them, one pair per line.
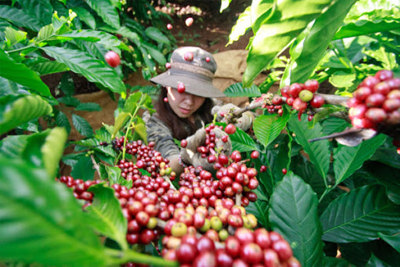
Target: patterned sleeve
159, 133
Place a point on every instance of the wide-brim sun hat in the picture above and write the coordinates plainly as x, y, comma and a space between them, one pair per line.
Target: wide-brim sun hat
192, 67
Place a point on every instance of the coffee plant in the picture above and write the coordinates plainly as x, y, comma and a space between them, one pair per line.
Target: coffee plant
314, 182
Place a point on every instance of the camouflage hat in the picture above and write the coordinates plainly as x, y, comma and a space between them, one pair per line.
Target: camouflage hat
192, 67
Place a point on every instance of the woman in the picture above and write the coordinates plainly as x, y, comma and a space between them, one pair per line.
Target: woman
185, 103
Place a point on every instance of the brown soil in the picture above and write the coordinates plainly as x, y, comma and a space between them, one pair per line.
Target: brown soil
210, 29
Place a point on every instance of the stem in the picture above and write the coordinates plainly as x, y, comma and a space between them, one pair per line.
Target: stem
20, 49
133, 116
335, 99
95, 165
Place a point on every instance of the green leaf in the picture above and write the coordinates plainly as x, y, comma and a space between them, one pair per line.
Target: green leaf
21, 111
155, 54
42, 10
224, 5
237, 90
13, 36
318, 152
93, 69
268, 127
108, 40
242, 141
21, 74
308, 51
41, 222
242, 24
349, 159
288, 19
294, 214
106, 214
156, 35
62, 121
82, 168
392, 240
360, 215
106, 11
365, 27
82, 125
88, 106
85, 16
120, 122
53, 149
12, 146
49, 67
45, 33
19, 18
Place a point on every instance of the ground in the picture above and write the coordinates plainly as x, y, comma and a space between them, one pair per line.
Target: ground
210, 29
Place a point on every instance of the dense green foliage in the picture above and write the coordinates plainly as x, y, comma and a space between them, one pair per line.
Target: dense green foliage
333, 196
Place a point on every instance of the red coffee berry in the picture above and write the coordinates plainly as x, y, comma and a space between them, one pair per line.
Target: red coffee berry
384, 75
317, 101
230, 128
188, 56
169, 26
311, 85
376, 115
299, 105
284, 171
294, 90
183, 143
263, 168
362, 93
112, 58
186, 253
255, 154
251, 253
283, 249
375, 100
181, 88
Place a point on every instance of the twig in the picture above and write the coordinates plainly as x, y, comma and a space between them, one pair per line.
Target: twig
95, 165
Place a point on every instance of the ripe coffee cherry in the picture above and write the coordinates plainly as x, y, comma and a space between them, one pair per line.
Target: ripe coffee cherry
112, 59
189, 21
375, 100
186, 253
384, 75
183, 143
284, 170
277, 100
205, 259
230, 128
294, 89
311, 85
188, 56
317, 101
181, 88
169, 26
376, 115
362, 93
255, 154
251, 253
299, 105
165, 99
283, 249
263, 168
391, 104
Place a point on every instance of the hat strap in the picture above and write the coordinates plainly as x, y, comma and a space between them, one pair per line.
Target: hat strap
192, 68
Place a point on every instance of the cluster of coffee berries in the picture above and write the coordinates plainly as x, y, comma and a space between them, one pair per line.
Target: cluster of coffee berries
79, 187
376, 101
209, 148
300, 96
244, 248
146, 157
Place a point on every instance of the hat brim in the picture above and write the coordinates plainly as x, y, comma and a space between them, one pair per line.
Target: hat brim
195, 86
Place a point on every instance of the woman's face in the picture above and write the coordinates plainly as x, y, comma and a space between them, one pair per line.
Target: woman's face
184, 104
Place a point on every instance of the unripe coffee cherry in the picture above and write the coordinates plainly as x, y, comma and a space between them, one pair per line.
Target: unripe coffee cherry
306, 95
